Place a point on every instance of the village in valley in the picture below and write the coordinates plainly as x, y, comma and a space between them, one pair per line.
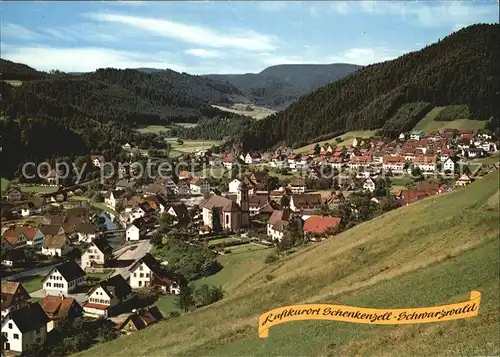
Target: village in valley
104, 259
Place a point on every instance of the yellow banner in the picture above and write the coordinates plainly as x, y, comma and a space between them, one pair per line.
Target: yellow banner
362, 315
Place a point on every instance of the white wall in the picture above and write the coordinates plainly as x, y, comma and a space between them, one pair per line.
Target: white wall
138, 281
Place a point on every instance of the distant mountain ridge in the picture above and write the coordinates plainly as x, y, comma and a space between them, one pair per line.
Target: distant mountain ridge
461, 68
278, 86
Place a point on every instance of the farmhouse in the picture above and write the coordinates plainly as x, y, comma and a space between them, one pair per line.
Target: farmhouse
278, 222
316, 226
141, 319
61, 310
63, 279
97, 254
108, 296
14, 297
147, 271
56, 246
305, 202
24, 328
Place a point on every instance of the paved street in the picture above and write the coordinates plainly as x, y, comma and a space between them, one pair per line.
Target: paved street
80, 297
42, 271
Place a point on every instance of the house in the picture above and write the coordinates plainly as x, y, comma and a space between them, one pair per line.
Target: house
106, 298
56, 246
14, 297
141, 319
199, 186
402, 136
14, 237
359, 162
179, 211
50, 230
319, 225
257, 202
449, 165
63, 279
425, 163
253, 158
278, 222
417, 135
25, 328
18, 236
233, 215
297, 185
139, 227
474, 152
14, 194
183, 188
86, 232
126, 146
410, 196
463, 180
308, 202
336, 162
97, 160
111, 198
227, 161
147, 271
393, 163
61, 311
369, 185
234, 185
97, 254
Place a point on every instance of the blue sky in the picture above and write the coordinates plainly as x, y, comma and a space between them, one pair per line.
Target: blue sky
225, 37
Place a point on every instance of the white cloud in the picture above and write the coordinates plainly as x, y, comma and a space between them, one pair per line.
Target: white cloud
200, 52
19, 32
246, 40
428, 14
85, 59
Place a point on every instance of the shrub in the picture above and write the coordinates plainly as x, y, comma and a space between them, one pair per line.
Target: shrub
271, 258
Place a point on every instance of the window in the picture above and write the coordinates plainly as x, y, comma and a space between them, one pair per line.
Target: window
141, 267
48, 284
16, 336
227, 219
135, 275
140, 283
147, 275
141, 275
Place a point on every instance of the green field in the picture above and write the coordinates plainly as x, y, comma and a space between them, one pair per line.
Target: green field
244, 248
3, 184
429, 253
14, 83
39, 189
190, 146
167, 304
347, 139
256, 112
32, 284
222, 240
153, 129
428, 123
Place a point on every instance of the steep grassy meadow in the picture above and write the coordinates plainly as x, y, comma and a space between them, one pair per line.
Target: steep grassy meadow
430, 253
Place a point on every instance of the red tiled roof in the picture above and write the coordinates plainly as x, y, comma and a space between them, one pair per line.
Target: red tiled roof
319, 224
393, 159
92, 305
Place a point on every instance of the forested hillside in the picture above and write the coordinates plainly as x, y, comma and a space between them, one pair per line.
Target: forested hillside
277, 86
462, 68
53, 115
17, 71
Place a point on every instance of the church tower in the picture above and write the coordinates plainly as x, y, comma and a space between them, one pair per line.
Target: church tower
243, 201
